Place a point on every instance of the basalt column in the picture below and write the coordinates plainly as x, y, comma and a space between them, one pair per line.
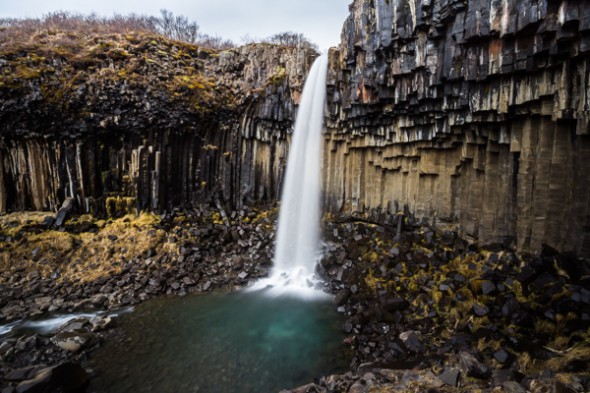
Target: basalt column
471, 114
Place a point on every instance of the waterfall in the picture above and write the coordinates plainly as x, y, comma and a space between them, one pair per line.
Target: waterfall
298, 234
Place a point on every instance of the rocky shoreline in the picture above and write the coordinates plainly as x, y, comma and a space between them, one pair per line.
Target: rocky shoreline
424, 310
212, 251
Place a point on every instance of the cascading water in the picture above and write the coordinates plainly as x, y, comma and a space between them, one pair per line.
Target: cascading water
298, 237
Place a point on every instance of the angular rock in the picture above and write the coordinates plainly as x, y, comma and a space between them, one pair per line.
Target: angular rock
66, 207
501, 356
450, 376
480, 310
73, 341
342, 296
66, 377
488, 288
513, 387
471, 366
411, 341
394, 304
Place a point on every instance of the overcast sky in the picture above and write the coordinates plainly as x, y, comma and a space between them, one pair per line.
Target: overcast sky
319, 20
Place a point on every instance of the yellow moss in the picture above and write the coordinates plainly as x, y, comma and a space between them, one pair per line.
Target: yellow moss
27, 73
118, 205
216, 218
479, 323
488, 344
373, 257
86, 256
518, 292
436, 296
476, 285
372, 282
279, 75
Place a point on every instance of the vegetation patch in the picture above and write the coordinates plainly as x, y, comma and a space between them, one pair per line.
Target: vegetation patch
82, 251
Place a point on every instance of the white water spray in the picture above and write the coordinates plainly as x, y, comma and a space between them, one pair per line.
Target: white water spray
298, 234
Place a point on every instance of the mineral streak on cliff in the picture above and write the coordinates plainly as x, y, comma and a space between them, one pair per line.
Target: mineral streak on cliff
474, 113
121, 122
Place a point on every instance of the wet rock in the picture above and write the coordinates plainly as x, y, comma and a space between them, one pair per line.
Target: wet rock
73, 341
66, 377
5, 346
207, 286
98, 300
23, 373
471, 366
342, 296
74, 325
100, 323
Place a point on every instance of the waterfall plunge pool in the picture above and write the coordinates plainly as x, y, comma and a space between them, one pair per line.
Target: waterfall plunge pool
221, 343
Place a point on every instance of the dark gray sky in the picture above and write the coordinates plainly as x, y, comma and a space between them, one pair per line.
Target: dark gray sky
319, 20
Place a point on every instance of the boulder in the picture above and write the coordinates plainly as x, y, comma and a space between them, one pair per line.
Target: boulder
73, 341
65, 378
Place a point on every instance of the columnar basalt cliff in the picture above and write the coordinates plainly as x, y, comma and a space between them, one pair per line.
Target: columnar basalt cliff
471, 113
140, 122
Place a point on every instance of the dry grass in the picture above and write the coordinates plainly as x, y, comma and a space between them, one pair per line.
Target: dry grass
80, 257
70, 25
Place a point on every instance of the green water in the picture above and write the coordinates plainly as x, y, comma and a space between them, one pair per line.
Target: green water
239, 342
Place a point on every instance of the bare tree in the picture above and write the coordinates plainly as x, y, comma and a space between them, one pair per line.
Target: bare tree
178, 27
174, 27
291, 39
215, 42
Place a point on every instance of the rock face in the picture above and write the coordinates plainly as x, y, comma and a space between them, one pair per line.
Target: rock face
139, 121
472, 113
468, 113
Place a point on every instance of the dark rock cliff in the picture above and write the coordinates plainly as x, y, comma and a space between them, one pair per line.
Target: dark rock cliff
138, 121
470, 113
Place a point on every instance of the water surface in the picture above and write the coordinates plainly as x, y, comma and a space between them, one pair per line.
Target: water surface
238, 342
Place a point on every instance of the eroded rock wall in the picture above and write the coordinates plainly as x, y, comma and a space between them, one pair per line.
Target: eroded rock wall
471, 113
166, 125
